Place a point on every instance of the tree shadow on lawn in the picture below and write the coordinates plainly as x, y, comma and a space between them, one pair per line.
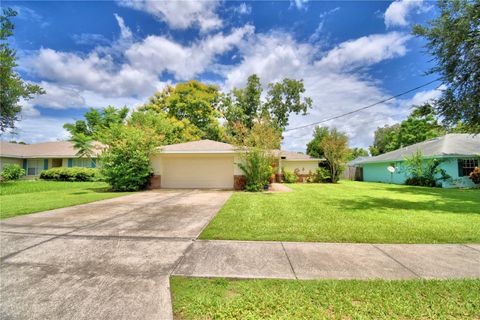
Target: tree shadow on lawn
444, 204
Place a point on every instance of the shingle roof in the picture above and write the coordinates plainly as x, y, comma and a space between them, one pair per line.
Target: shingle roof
207, 146
210, 146
57, 149
458, 144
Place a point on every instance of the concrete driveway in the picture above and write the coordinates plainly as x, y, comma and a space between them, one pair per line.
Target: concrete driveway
105, 260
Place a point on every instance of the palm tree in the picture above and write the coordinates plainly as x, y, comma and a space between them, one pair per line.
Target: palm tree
84, 145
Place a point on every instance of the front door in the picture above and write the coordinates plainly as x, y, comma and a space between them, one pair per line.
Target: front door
56, 163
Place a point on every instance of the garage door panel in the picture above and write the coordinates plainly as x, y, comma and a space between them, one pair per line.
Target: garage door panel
201, 172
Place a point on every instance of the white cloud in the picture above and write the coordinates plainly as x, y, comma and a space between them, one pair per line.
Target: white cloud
299, 3
365, 51
125, 32
41, 129
58, 97
243, 8
90, 39
398, 12
328, 79
180, 14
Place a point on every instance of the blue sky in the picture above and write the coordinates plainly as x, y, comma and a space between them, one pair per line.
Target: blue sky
349, 54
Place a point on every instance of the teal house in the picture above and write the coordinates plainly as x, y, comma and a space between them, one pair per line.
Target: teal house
460, 154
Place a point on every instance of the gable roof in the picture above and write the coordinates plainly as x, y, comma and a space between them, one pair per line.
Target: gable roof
57, 149
458, 144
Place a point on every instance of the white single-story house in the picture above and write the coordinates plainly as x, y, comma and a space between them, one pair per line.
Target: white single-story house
41, 156
213, 164
197, 164
459, 153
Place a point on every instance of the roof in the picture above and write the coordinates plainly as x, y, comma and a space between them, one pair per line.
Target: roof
450, 145
355, 161
57, 149
210, 146
201, 146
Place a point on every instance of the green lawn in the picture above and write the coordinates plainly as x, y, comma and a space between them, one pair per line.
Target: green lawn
195, 298
351, 212
28, 196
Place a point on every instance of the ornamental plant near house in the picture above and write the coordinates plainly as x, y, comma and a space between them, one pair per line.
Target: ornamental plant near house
257, 168
289, 176
70, 174
11, 172
475, 175
424, 172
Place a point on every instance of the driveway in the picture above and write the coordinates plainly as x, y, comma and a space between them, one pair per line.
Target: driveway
105, 260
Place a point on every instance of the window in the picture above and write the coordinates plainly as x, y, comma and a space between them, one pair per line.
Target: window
82, 162
465, 166
34, 166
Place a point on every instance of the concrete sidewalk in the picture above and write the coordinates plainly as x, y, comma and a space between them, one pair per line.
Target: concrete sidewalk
294, 260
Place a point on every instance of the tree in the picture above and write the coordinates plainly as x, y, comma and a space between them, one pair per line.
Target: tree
97, 120
314, 148
284, 98
170, 129
420, 125
126, 158
335, 148
453, 39
244, 106
195, 101
262, 135
12, 88
84, 145
354, 153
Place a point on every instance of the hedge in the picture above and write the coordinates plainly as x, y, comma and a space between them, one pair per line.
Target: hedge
70, 174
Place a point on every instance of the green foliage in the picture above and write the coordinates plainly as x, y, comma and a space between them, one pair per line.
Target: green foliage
71, 174
314, 148
84, 144
256, 165
289, 176
12, 87
126, 160
12, 172
244, 106
424, 172
354, 153
453, 39
169, 128
322, 175
263, 135
194, 101
475, 175
96, 121
335, 148
421, 125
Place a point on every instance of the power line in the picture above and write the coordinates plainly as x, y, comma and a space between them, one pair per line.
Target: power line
363, 108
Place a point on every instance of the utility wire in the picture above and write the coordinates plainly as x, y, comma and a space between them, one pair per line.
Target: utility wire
363, 108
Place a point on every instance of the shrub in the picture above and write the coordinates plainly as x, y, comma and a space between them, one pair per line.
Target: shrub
475, 175
70, 174
12, 172
424, 172
323, 175
257, 168
289, 176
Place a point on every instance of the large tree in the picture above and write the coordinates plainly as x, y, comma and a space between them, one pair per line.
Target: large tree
421, 125
453, 38
12, 88
354, 153
97, 120
244, 105
195, 101
335, 149
314, 147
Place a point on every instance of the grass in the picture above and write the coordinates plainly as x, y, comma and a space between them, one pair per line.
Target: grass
351, 212
195, 298
28, 196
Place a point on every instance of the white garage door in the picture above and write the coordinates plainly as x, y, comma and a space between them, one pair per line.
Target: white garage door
198, 172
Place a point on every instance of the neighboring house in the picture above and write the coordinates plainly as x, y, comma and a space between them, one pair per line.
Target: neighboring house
212, 164
460, 154
41, 156
352, 171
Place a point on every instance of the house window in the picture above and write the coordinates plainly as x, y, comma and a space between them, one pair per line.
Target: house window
82, 162
465, 166
34, 166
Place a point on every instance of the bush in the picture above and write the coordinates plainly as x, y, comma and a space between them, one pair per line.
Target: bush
12, 172
421, 181
257, 168
70, 174
289, 176
475, 175
424, 172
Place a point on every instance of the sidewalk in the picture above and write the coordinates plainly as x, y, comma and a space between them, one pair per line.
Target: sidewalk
296, 260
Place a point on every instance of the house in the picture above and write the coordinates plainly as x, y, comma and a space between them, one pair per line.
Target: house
212, 164
41, 156
197, 164
352, 171
460, 154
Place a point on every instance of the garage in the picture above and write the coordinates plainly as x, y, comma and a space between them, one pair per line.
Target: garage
197, 171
